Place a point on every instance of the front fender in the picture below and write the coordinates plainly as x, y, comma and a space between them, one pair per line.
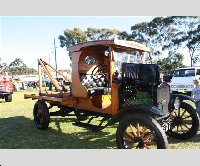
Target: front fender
143, 109
181, 97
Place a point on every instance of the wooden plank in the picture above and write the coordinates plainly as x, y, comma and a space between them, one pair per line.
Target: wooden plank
115, 42
46, 98
90, 43
33, 96
58, 95
114, 87
66, 101
86, 104
40, 77
78, 90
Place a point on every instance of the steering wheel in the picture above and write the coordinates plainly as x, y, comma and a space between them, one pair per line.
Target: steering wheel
100, 69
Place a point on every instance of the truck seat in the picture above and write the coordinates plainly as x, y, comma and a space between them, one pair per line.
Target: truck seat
95, 84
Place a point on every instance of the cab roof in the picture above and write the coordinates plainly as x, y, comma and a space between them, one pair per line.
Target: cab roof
114, 42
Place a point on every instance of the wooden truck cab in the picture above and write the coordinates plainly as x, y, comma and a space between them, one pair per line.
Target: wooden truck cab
93, 68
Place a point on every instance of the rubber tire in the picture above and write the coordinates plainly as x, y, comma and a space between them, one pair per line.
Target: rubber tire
45, 114
148, 121
8, 98
194, 128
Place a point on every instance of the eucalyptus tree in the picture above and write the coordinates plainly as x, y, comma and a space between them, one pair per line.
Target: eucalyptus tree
101, 34
76, 36
72, 37
18, 67
170, 34
187, 34
170, 63
155, 34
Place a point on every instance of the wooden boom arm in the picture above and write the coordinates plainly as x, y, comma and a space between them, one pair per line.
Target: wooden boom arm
55, 70
46, 69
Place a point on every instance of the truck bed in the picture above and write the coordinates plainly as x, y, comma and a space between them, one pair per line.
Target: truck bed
61, 99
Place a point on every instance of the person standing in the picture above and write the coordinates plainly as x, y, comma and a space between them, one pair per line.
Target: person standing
196, 95
34, 85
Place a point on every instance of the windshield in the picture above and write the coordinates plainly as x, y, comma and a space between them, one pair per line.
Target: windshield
126, 56
184, 73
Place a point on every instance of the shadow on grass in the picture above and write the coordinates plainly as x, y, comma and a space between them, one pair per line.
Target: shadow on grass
194, 139
20, 133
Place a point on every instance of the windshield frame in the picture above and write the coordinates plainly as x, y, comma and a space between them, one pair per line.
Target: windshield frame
127, 56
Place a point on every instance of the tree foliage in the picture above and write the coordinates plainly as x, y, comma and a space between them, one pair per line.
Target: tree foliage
169, 64
165, 35
154, 34
72, 37
17, 67
170, 34
101, 34
76, 36
187, 34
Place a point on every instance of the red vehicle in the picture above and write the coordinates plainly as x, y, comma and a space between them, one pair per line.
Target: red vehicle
6, 89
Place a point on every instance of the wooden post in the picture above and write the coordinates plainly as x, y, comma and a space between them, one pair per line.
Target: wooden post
114, 87
40, 77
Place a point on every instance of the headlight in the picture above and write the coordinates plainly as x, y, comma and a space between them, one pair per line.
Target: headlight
177, 103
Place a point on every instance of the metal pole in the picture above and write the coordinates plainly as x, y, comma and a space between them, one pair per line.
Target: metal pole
55, 57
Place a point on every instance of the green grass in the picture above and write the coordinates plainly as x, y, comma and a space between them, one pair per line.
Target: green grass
17, 131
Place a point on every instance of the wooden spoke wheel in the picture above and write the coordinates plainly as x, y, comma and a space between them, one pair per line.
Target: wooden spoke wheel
185, 122
138, 131
41, 115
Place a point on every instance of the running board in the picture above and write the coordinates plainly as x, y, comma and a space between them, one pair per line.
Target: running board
91, 127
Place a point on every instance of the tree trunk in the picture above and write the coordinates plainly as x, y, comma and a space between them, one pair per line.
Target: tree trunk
191, 55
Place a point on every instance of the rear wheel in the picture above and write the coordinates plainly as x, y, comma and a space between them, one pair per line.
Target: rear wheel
138, 131
41, 115
8, 98
185, 122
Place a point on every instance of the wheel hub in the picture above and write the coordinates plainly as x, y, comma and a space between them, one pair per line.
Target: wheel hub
138, 142
39, 116
178, 120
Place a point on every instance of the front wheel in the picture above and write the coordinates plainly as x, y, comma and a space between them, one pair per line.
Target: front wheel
184, 122
8, 98
138, 131
41, 115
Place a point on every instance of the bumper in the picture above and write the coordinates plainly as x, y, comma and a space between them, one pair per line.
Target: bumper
5, 93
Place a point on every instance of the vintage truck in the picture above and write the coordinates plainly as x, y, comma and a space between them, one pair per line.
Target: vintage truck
6, 89
111, 81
